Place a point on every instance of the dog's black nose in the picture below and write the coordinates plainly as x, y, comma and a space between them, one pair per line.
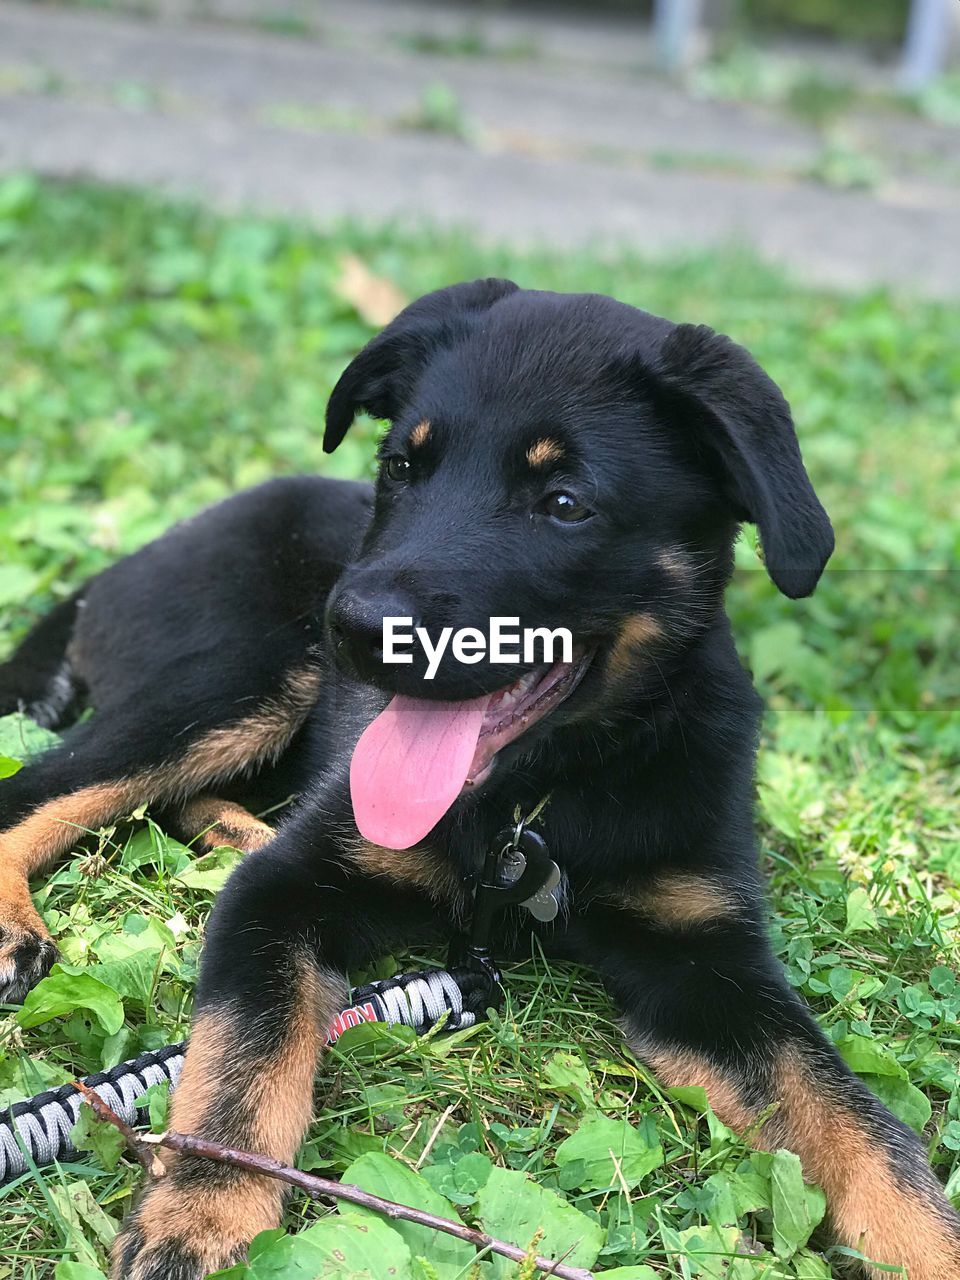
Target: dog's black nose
355, 624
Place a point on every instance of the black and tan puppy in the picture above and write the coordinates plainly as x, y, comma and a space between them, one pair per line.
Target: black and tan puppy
562, 459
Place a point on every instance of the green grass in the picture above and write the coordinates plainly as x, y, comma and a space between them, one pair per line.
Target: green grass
154, 358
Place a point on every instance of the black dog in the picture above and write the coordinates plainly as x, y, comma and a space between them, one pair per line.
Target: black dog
562, 459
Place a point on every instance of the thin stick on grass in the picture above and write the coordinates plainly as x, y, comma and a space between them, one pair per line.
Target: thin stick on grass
143, 1146
141, 1151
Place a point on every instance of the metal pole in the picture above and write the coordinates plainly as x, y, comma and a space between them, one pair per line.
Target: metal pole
925, 45
674, 25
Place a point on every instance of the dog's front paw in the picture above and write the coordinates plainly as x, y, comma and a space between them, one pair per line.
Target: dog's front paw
26, 953
142, 1254
184, 1233
168, 1259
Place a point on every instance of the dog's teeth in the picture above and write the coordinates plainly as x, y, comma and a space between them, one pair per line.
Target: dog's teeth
525, 683
508, 698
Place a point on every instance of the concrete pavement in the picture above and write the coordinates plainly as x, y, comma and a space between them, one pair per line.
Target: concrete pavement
533, 153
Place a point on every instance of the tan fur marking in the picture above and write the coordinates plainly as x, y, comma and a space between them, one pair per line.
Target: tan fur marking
420, 434
16, 906
263, 736
213, 1042
216, 1227
636, 634
679, 900
868, 1210
542, 452
423, 869
678, 1068
34, 844
213, 822
277, 1092
282, 1097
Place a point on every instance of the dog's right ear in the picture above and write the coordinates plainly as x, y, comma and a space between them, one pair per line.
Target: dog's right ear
386, 371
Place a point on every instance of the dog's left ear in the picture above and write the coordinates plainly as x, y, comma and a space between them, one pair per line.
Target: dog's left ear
387, 370
741, 416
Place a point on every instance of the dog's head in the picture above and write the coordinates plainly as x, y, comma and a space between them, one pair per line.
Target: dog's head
570, 462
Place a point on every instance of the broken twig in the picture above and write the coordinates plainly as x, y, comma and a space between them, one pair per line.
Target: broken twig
143, 1146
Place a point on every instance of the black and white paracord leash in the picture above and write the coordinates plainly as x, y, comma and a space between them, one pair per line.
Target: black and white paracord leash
41, 1125
517, 870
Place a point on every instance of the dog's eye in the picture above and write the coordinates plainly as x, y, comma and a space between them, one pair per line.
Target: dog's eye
564, 507
397, 468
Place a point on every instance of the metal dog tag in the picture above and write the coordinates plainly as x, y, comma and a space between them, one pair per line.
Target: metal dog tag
529, 849
544, 904
524, 852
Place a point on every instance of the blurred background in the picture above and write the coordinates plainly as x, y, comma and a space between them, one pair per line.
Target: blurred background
208, 206
823, 133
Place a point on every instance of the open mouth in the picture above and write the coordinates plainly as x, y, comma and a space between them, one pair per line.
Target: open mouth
510, 712
414, 760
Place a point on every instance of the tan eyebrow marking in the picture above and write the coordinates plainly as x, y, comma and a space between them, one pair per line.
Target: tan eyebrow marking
543, 452
420, 434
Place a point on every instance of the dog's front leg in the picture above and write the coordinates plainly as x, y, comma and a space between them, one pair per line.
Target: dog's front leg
707, 1004
294, 917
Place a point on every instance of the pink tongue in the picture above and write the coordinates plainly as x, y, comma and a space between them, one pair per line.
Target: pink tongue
410, 765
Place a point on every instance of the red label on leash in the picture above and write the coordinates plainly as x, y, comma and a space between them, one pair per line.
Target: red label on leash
351, 1017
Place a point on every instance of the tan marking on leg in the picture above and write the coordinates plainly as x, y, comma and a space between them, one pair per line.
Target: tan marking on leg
212, 822
543, 452
888, 1221
34, 844
282, 1107
420, 434
26, 950
636, 634
676, 901
422, 869
222, 753
17, 912
222, 1061
30, 846
210, 1056
679, 1068
51, 830
269, 1106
